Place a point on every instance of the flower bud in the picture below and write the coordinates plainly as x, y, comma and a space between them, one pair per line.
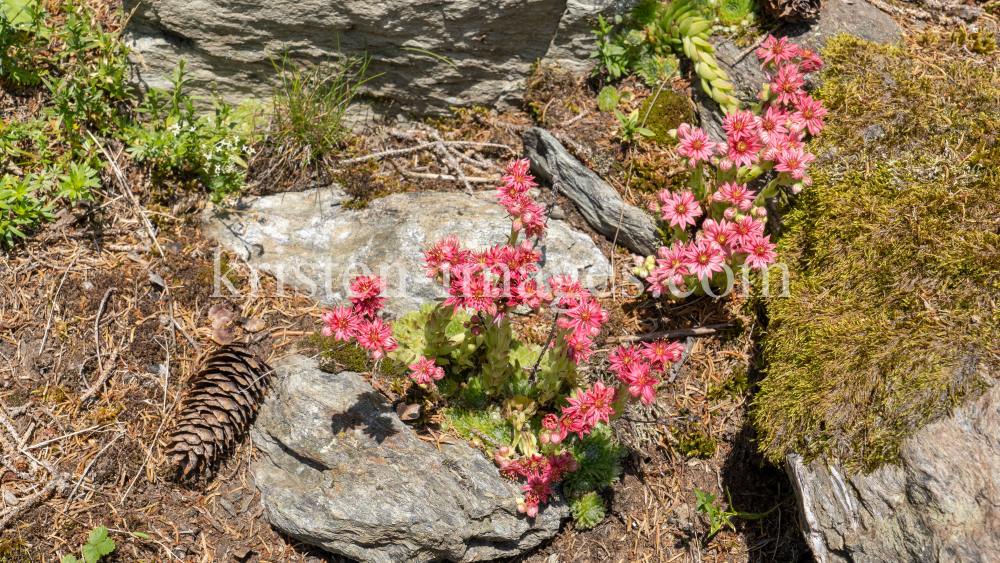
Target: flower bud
729, 213
522, 508
504, 451
672, 134
717, 197
476, 330
760, 211
543, 437
797, 187
745, 205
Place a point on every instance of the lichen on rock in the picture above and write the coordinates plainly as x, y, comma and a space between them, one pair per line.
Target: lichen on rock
894, 255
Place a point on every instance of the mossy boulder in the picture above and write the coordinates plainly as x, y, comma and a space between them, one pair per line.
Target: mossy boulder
894, 255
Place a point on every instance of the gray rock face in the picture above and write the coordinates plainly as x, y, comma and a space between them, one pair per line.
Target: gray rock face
340, 470
490, 46
940, 504
859, 18
598, 202
308, 241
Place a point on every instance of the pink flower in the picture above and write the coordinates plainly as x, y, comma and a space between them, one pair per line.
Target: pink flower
587, 317
661, 353
539, 484
746, 230
776, 50
810, 61
471, 290
641, 383
694, 144
444, 256
528, 293
526, 214
560, 465
772, 122
341, 323
795, 162
787, 83
810, 112
720, 233
743, 151
761, 252
530, 504
672, 264
681, 209
578, 345
740, 124
367, 290
593, 405
704, 258
567, 290
623, 357
517, 179
738, 195
376, 336
425, 372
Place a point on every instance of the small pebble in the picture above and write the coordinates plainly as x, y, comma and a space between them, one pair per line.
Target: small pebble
87, 286
557, 212
9, 499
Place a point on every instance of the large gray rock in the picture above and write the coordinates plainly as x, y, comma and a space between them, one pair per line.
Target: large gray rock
940, 504
340, 470
598, 202
858, 18
489, 46
307, 240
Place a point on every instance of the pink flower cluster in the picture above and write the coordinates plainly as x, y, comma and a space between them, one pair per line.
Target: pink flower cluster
636, 367
727, 216
515, 199
360, 321
541, 473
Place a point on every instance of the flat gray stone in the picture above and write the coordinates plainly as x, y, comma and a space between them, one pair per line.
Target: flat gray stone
339, 470
859, 18
941, 503
313, 245
461, 52
599, 203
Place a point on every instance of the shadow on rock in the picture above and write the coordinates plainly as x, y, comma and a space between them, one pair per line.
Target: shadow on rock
370, 413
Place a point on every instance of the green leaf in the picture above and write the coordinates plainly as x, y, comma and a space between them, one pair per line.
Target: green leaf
69, 559
608, 99
645, 132
142, 535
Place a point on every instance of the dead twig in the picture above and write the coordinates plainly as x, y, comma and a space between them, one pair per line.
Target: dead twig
706, 330
97, 327
105, 375
87, 469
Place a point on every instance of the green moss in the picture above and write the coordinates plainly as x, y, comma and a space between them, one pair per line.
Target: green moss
671, 109
336, 356
734, 387
894, 259
695, 443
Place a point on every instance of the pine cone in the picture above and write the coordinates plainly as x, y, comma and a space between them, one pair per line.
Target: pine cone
217, 406
793, 10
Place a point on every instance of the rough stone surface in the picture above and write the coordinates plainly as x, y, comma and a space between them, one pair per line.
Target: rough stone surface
598, 202
940, 504
311, 243
339, 470
859, 18
490, 45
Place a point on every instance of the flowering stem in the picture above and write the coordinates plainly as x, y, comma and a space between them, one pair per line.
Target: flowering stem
552, 334
513, 236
